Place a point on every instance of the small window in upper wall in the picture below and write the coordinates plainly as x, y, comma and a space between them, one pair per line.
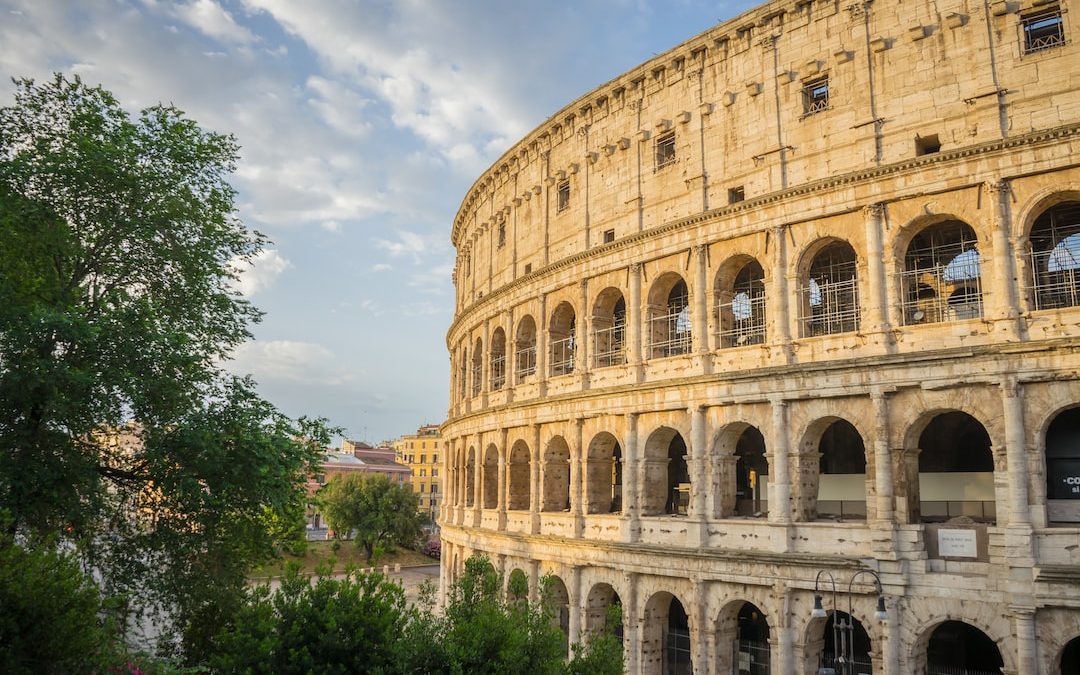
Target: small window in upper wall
609, 236
528, 268
1043, 30
736, 194
815, 95
665, 149
927, 145
502, 235
563, 199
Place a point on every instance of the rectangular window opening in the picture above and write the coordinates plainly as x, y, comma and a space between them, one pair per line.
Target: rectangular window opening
665, 149
528, 268
563, 201
609, 236
927, 145
736, 194
1043, 30
502, 235
815, 95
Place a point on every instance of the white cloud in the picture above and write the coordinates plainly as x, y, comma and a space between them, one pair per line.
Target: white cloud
382, 267
411, 244
289, 360
340, 107
214, 21
261, 272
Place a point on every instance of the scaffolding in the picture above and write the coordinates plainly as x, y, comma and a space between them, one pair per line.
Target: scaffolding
670, 332
498, 371
742, 318
941, 280
830, 298
609, 340
1054, 258
562, 356
526, 362
477, 370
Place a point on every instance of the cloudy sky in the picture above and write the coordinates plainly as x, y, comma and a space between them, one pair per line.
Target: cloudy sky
362, 124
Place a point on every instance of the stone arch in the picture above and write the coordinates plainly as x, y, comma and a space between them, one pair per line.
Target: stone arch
1052, 250
743, 629
609, 328
519, 484
667, 474
470, 477
828, 288
821, 637
665, 636
957, 643
490, 487
556, 475
739, 302
517, 585
604, 475
497, 366
558, 600
742, 471
1068, 658
668, 324
941, 273
562, 337
601, 597
525, 348
950, 442
831, 471
1061, 454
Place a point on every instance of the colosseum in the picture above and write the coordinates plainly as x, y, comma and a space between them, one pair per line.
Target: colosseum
774, 341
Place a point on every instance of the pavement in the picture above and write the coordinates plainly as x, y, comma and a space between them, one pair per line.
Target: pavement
409, 578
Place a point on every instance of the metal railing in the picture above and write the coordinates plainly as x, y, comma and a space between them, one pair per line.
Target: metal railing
944, 292
832, 307
1056, 276
562, 356
751, 657
477, 375
980, 511
608, 346
670, 334
1043, 31
498, 372
742, 321
525, 358
842, 508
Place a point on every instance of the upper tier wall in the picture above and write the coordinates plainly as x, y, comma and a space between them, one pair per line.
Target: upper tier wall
901, 78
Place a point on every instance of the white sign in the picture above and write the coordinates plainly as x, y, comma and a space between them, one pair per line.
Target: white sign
957, 544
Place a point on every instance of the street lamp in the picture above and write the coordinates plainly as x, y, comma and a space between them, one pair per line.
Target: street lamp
844, 628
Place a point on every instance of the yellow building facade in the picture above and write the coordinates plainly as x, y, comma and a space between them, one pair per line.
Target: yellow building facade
796, 301
421, 453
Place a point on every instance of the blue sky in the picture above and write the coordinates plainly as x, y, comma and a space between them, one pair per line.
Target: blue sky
362, 124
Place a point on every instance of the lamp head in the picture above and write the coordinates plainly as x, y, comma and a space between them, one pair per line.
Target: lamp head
818, 611
881, 614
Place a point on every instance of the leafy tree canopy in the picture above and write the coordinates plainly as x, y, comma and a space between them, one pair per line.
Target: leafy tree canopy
120, 433
375, 510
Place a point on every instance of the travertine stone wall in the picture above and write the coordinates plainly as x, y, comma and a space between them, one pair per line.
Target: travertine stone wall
573, 249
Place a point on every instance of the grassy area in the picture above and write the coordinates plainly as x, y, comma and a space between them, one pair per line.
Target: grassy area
322, 552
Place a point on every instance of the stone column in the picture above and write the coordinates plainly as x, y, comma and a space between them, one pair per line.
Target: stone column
534, 480
633, 317
509, 376
785, 633
632, 625
883, 473
503, 450
699, 628
631, 471
890, 656
542, 347
701, 304
699, 477
780, 339
877, 309
478, 482
581, 338
574, 591
1027, 662
1005, 310
577, 464
534, 581
485, 365
779, 469
1016, 452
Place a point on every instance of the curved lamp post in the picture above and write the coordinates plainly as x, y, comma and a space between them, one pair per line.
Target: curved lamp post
844, 628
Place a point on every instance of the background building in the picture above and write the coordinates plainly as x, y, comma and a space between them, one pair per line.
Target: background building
354, 457
795, 300
420, 452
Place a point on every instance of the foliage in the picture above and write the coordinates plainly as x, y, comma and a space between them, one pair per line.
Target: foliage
120, 433
432, 548
602, 652
348, 625
53, 618
372, 508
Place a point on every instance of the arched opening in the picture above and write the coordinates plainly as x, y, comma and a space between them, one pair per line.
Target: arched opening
598, 603
558, 599
517, 586
562, 336
556, 469
668, 319
525, 350
667, 476
741, 308
603, 475
470, 478
751, 475
491, 478
462, 372
957, 647
830, 293
956, 469
477, 367
842, 472
1070, 657
518, 493
941, 280
1055, 257
843, 640
677, 641
665, 637
751, 641
609, 329
1063, 467
498, 359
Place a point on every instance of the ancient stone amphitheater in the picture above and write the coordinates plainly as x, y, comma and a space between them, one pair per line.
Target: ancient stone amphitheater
792, 306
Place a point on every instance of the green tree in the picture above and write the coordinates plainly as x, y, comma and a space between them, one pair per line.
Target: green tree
373, 509
120, 433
